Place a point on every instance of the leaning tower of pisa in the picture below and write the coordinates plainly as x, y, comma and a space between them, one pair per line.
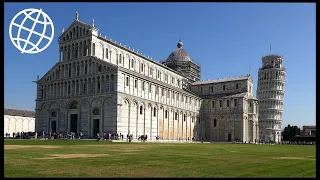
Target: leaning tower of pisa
270, 92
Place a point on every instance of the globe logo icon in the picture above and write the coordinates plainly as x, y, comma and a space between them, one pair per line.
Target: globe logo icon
26, 36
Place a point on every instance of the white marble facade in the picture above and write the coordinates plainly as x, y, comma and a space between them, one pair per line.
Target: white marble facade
101, 86
271, 83
98, 81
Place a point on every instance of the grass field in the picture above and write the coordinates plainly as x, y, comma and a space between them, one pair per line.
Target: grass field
67, 158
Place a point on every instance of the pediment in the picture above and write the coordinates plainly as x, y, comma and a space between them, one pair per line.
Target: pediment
75, 24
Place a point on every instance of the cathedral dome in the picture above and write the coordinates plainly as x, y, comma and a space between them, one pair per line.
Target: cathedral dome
179, 54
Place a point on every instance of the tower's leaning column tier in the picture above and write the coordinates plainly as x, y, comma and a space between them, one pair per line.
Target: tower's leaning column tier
270, 92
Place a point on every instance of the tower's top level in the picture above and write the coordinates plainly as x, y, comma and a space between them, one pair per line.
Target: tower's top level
272, 61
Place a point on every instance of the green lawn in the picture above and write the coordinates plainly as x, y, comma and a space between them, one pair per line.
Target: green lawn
67, 158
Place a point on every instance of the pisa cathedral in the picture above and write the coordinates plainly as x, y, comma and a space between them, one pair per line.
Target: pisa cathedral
100, 86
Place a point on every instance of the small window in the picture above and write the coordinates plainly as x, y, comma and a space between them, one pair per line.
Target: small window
215, 122
107, 53
86, 70
140, 109
85, 88
237, 86
166, 114
211, 88
136, 83
141, 67
142, 86
150, 87
250, 104
184, 117
94, 49
176, 116
227, 103
220, 103
224, 87
131, 63
154, 112
127, 81
69, 72
99, 68
74, 105
201, 89
53, 114
212, 104
120, 58
235, 102
96, 111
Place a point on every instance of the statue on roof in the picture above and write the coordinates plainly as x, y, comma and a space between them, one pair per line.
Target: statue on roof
77, 15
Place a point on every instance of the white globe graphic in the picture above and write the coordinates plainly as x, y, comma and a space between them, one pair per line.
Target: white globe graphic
33, 47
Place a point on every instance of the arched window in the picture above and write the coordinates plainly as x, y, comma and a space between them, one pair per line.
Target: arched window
96, 111
127, 81
107, 53
184, 117
73, 105
141, 67
166, 114
85, 69
78, 70
53, 114
69, 55
140, 109
85, 87
176, 116
154, 112
93, 49
215, 122
120, 58
132, 63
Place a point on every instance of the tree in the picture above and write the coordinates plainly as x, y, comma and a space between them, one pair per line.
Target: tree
289, 132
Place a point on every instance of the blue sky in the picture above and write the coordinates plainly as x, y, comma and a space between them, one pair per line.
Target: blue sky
226, 38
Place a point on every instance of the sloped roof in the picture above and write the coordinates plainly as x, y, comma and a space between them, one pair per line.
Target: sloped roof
239, 95
16, 112
221, 80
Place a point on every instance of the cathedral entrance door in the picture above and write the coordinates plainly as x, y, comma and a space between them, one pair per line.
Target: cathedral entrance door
95, 127
229, 136
54, 126
74, 123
